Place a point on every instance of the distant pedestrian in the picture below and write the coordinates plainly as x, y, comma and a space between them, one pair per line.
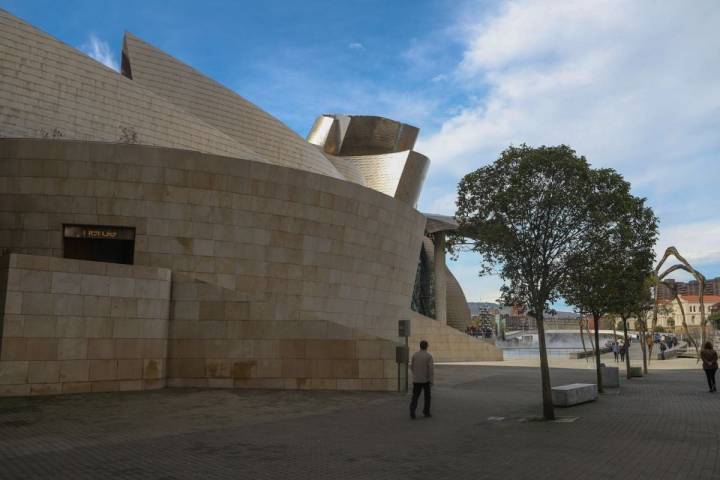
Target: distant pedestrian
710, 364
615, 350
623, 349
421, 367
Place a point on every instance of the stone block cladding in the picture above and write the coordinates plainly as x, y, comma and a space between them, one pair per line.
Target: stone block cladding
71, 326
281, 278
448, 344
215, 340
304, 247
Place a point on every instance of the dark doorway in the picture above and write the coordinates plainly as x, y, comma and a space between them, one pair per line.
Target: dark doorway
99, 243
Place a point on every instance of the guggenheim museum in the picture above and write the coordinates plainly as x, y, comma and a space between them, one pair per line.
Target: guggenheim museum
159, 230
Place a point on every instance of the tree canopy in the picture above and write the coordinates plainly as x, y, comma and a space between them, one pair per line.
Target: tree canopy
541, 217
528, 215
610, 275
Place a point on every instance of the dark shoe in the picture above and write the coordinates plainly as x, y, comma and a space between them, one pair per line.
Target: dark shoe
412, 416
427, 415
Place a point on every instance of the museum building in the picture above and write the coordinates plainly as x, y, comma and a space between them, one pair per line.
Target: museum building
157, 229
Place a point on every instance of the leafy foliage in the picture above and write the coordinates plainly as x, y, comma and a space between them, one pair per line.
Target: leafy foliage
714, 320
612, 274
529, 215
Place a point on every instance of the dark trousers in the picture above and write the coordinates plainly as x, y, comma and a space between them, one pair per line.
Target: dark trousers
710, 374
417, 388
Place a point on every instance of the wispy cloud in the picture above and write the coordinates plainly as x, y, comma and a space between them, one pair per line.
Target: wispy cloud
100, 51
329, 90
356, 46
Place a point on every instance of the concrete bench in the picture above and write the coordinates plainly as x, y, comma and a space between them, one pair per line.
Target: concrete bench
610, 377
573, 394
668, 354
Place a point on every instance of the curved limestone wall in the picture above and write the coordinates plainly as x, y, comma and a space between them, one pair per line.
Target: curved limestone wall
302, 247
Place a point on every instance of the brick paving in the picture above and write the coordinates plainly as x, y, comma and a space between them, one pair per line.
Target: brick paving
663, 426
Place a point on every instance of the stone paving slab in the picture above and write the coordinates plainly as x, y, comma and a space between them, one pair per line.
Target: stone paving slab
663, 426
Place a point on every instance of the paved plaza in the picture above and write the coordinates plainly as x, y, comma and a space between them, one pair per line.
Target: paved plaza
663, 426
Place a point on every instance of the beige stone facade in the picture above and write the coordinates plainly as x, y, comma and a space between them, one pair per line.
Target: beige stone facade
251, 258
71, 326
302, 246
449, 344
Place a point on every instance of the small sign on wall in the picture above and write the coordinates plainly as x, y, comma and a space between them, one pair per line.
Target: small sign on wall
99, 232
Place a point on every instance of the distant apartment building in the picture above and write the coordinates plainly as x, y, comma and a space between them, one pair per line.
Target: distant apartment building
712, 287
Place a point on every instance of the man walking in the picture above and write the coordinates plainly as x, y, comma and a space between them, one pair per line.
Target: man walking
421, 366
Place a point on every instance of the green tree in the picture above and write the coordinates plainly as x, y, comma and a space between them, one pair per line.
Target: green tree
714, 320
529, 214
634, 257
624, 230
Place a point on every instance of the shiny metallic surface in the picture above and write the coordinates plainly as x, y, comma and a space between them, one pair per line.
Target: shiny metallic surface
220, 107
400, 175
369, 135
354, 135
349, 169
328, 132
380, 149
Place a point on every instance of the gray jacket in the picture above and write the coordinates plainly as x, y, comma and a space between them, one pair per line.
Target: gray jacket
421, 366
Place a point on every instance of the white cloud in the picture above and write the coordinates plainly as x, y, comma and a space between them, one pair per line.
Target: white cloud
100, 51
356, 46
632, 85
442, 201
697, 241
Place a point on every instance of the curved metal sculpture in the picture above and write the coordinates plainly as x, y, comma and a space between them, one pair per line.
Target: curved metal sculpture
659, 278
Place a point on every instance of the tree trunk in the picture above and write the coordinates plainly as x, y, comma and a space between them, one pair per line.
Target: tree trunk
582, 338
627, 347
614, 330
643, 347
548, 411
596, 318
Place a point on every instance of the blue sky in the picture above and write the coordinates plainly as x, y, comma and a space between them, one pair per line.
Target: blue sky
631, 85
